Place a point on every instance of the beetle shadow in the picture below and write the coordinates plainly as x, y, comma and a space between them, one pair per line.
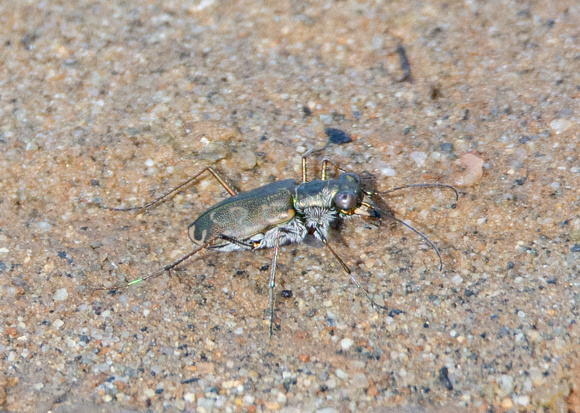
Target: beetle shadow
369, 184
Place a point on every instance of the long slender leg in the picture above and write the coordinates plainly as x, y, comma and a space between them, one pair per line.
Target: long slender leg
304, 166
347, 270
178, 187
272, 282
325, 163
168, 267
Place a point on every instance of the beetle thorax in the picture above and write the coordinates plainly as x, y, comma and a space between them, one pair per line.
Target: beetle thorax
317, 210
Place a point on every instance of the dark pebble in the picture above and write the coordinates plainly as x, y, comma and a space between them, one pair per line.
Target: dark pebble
286, 293
337, 136
444, 378
2, 266
133, 131
575, 248
446, 147
394, 312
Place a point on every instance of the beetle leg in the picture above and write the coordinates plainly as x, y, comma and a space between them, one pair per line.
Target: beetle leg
178, 187
325, 163
273, 280
167, 268
347, 270
233, 240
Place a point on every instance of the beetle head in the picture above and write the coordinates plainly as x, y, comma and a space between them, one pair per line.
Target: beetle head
351, 199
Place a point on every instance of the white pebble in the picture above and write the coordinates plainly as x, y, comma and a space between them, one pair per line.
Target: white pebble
560, 125
523, 400
149, 163
419, 158
327, 410
388, 171
189, 397
555, 185
149, 393
360, 381
346, 343
60, 295
281, 398
506, 384
341, 374
58, 323
44, 226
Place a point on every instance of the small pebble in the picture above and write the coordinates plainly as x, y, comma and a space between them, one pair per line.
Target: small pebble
346, 343
560, 125
523, 400
472, 171
247, 159
507, 403
327, 410
44, 226
446, 147
506, 384
60, 295
58, 323
337, 136
341, 374
444, 378
419, 158
360, 381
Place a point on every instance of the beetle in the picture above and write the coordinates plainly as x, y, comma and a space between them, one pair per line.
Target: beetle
279, 213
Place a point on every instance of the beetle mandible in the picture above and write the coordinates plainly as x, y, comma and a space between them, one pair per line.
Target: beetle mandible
280, 213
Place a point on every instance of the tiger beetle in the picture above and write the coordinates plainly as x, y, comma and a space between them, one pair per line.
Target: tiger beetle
280, 213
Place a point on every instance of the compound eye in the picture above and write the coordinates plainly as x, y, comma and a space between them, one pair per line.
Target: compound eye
346, 200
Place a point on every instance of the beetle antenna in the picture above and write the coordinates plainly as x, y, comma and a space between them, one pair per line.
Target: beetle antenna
427, 240
423, 186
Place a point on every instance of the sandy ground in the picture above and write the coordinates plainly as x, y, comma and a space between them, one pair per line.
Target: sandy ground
118, 101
